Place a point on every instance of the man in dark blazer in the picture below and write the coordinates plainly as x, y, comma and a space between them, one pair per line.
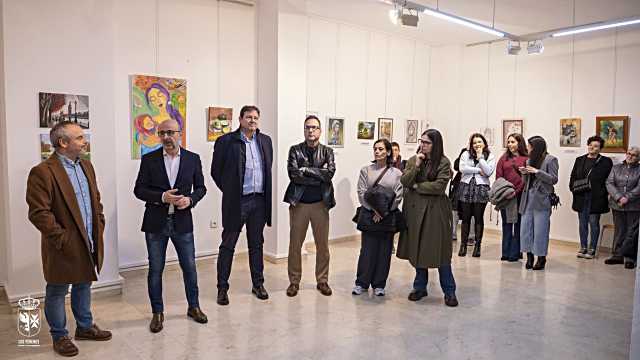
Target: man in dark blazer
170, 182
64, 204
241, 168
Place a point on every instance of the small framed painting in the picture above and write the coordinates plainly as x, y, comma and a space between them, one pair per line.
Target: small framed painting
218, 122
366, 130
570, 130
411, 132
615, 132
511, 126
385, 128
335, 132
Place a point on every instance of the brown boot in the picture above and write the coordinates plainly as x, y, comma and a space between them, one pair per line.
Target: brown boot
93, 333
156, 322
292, 290
197, 315
324, 289
65, 347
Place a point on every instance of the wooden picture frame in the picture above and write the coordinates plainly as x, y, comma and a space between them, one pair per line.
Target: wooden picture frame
570, 132
385, 128
511, 126
615, 132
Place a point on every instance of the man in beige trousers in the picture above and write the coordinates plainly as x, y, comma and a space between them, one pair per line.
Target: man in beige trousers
310, 194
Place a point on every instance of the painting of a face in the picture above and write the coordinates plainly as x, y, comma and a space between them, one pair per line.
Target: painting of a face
335, 135
157, 98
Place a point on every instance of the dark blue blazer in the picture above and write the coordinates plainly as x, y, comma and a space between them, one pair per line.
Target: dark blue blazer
227, 171
152, 181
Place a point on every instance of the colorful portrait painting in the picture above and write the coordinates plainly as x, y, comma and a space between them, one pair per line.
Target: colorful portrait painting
219, 122
411, 132
366, 130
63, 107
615, 132
155, 100
385, 128
335, 132
570, 130
509, 127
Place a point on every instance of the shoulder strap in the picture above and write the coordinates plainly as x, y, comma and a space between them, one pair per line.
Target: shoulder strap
381, 175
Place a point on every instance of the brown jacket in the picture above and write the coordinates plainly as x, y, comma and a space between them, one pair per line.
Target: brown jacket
54, 210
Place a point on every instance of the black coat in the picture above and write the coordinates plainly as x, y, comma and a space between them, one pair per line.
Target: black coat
227, 171
598, 178
318, 173
152, 181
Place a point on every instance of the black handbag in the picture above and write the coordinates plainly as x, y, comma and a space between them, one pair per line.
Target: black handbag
379, 197
584, 185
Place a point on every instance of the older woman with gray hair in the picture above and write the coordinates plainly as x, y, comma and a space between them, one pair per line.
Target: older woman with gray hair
623, 185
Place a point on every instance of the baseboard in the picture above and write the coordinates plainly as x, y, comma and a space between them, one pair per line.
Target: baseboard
101, 287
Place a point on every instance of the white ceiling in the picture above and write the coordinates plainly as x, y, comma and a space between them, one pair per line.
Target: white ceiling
518, 17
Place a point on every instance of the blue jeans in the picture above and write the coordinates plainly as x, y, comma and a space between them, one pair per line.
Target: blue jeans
586, 221
157, 250
534, 231
510, 236
54, 309
447, 282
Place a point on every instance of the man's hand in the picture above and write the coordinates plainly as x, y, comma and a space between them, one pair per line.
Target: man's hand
169, 197
183, 203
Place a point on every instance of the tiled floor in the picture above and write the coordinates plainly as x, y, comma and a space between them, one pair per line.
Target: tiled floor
575, 309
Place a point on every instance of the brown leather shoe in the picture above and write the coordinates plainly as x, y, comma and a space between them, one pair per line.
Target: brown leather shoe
156, 322
324, 289
292, 290
93, 333
197, 315
65, 347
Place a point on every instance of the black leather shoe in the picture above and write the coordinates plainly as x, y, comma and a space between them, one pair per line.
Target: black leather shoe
197, 315
223, 298
451, 300
156, 322
529, 263
629, 264
260, 292
542, 260
614, 260
464, 229
416, 295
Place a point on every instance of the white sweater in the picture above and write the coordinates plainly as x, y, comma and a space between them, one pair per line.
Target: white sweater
470, 170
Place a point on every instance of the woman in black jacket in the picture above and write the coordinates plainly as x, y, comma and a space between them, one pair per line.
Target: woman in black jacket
590, 198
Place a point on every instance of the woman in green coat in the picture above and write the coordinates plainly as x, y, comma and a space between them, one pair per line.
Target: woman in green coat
427, 241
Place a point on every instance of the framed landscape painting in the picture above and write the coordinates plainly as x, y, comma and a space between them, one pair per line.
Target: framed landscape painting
366, 130
615, 132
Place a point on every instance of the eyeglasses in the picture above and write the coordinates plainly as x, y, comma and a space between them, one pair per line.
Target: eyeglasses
312, 128
427, 142
162, 133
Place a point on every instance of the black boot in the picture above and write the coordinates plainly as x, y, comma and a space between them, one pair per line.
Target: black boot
529, 263
542, 260
464, 234
479, 228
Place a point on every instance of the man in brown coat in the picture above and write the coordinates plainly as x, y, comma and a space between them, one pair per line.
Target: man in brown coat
64, 204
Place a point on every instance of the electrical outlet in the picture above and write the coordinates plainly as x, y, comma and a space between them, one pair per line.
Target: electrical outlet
213, 224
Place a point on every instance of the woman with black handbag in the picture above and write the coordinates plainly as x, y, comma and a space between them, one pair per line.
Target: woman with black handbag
590, 198
378, 218
427, 241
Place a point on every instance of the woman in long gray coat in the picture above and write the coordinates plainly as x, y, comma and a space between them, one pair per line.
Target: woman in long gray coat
540, 175
427, 241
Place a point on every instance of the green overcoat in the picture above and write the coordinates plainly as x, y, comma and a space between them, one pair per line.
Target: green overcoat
427, 242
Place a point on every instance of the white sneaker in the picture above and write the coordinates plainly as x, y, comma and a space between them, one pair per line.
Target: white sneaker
378, 291
357, 290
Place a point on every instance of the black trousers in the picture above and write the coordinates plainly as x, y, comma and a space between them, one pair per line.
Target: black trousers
253, 217
375, 259
625, 236
469, 210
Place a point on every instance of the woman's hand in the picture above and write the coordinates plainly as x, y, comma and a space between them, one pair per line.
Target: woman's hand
528, 169
419, 159
376, 217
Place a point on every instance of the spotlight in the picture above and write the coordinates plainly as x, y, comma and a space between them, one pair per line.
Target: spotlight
394, 16
535, 47
513, 47
409, 17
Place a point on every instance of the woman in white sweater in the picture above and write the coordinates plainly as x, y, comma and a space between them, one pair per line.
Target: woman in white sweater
477, 164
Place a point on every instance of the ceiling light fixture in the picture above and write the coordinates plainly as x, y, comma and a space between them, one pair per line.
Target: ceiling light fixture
602, 25
535, 47
462, 21
513, 47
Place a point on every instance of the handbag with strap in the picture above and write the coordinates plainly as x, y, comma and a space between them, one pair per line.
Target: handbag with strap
379, 197
584, 185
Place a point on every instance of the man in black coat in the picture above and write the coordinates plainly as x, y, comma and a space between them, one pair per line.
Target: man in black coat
241, 168
592, 202
170, 182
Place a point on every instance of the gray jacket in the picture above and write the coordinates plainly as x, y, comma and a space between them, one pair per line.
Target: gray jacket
538, 193
624, 180
390, 180
499, 196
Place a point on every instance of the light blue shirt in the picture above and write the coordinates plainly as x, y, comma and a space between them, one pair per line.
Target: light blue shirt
253, 176
83, 195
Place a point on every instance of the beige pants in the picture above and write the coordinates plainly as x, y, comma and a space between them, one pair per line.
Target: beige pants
299, 218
